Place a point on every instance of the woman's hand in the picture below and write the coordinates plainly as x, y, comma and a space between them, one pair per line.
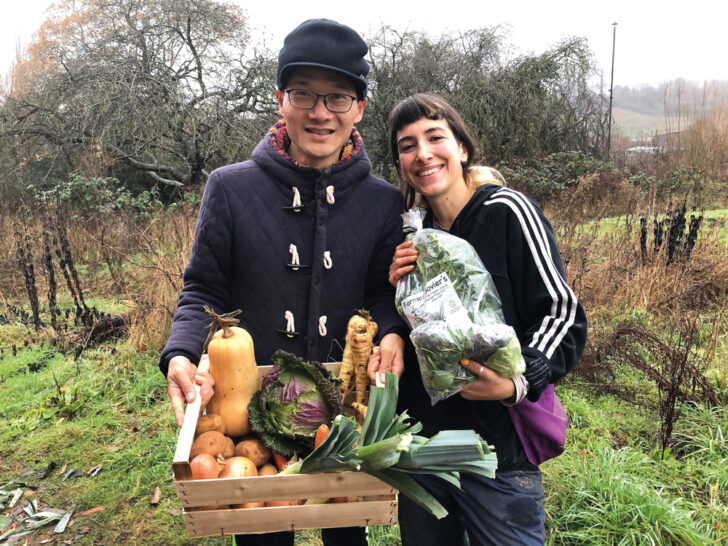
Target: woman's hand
488, 386
403, 262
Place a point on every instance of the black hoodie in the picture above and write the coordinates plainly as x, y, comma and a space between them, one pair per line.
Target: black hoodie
516, 243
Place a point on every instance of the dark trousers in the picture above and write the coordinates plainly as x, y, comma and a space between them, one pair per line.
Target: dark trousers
501, 512
344, 536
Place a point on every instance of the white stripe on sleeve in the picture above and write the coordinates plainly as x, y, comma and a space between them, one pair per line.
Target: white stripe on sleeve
563, 307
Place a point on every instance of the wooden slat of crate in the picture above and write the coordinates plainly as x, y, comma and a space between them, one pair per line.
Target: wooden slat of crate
180, 463
379, 508
302, 486
271, 519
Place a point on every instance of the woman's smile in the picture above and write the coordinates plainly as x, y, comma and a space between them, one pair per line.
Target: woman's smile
429, 171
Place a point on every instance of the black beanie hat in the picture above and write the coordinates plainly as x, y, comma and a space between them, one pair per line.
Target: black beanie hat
322, 43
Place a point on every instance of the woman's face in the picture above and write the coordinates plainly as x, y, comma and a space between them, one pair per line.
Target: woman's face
431, 158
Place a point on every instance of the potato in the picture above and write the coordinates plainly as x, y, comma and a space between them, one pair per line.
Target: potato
282, 503
214, 443
253, 449
267, 470
260, 504
208, 422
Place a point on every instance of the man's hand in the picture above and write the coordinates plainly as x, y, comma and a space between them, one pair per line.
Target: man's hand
488, 386
389, 358
181, 378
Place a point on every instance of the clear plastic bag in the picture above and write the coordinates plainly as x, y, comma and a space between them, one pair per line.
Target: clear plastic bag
451, 303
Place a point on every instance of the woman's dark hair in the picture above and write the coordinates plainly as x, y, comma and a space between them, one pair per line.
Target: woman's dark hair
419, 106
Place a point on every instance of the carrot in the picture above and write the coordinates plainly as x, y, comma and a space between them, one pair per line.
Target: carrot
321, 433
280, 460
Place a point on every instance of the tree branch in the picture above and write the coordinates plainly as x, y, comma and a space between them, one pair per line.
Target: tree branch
165, 181
193, 49
150, 167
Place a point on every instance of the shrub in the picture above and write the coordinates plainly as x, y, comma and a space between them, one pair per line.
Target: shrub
544, 178
89, 198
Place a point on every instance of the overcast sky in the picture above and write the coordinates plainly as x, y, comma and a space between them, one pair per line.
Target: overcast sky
656, 41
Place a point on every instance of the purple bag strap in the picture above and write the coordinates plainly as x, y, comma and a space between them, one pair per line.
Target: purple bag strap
541, 426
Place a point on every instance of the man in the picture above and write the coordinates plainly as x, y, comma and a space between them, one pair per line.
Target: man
300, 236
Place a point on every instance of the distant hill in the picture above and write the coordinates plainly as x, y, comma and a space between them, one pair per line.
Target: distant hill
640, 112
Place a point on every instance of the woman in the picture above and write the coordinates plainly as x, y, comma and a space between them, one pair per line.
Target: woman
433, 151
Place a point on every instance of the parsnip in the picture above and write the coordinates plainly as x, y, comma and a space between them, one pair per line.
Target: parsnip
360, 334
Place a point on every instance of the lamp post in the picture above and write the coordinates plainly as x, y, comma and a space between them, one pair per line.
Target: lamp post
611, 89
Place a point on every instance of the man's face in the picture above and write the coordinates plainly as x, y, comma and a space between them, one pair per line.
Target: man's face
318, 135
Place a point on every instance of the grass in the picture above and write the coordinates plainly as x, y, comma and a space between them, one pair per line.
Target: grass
616, 497
636, 125
109, 409
616, 226
609, 487
122, 425
718, 217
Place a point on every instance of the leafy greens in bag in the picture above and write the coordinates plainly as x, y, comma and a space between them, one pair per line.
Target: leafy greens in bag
451, 303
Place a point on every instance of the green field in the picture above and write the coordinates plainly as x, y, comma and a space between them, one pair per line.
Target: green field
636, 125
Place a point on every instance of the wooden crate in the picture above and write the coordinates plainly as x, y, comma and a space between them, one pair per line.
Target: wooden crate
376, 502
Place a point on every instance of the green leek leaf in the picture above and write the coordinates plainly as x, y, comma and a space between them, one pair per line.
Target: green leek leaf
413, 490
381, 411
389, 449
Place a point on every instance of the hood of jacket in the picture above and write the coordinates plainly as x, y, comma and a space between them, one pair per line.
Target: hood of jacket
463, 221
465, 218
272, 156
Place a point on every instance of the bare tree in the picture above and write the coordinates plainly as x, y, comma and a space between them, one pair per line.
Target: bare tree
166, 87
517, 107
162, 92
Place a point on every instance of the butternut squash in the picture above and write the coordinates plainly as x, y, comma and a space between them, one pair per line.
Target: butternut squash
232, 364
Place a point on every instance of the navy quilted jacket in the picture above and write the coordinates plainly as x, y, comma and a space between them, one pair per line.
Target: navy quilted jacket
343, 236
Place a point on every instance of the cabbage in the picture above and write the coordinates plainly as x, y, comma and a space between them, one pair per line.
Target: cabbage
294, 406
296, 396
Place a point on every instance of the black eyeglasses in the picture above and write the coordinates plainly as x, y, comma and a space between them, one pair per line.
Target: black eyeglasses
337, 103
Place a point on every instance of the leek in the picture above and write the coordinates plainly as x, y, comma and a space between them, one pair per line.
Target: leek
389, 448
